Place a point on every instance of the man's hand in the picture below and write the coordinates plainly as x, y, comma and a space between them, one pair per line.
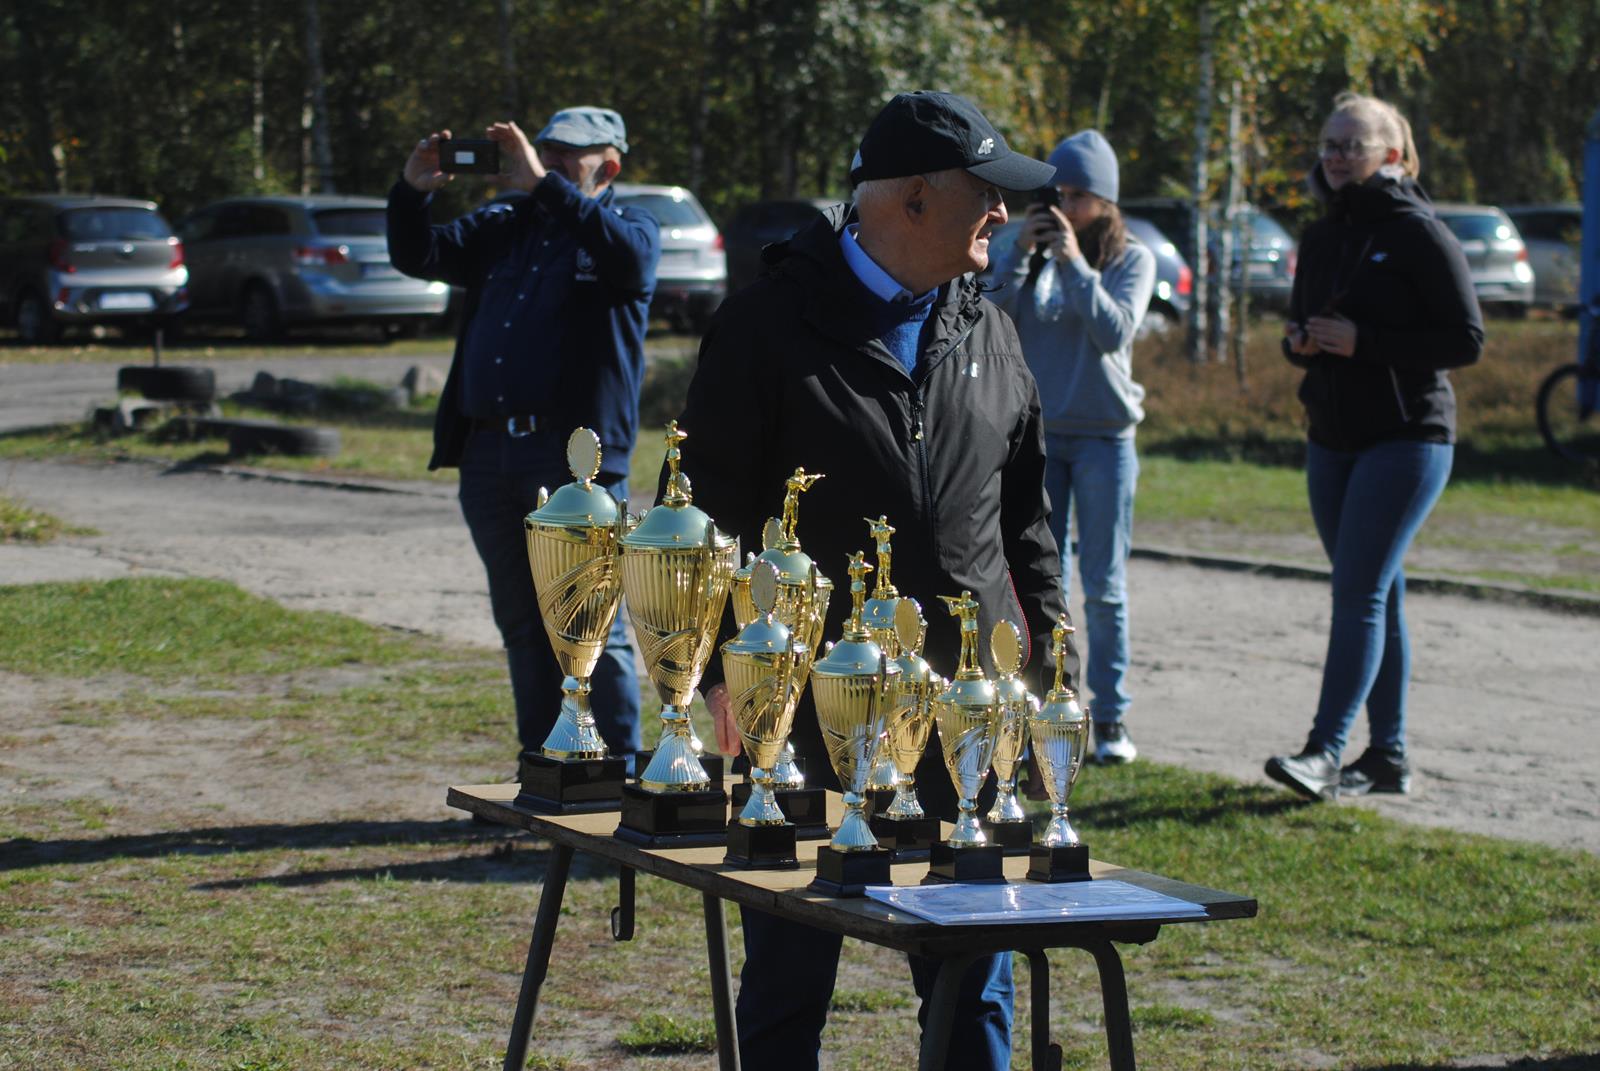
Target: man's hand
523, 167
721, 708
1299, 342
422, 169
1333, 334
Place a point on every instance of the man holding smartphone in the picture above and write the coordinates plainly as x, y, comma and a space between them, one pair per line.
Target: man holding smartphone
551, 338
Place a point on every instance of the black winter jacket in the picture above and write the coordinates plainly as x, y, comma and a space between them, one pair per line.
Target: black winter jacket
1382, 258
791, 374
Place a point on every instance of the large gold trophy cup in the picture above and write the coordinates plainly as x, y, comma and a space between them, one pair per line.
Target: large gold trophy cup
1006, 824
572, 552
765, 668
853, 689
676, 568
878, 616
1059, 732
801, 605
968, 714
905, 828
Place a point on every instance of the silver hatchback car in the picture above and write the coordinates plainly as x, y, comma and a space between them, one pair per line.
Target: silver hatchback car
270, 263
67, 260
1496, 256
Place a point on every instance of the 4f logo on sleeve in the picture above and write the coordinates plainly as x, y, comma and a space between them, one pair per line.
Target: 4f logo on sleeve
986, 147
585, 272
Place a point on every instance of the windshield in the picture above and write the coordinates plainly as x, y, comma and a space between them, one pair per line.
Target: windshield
113, 224
1482, 227
669, 211
350, 222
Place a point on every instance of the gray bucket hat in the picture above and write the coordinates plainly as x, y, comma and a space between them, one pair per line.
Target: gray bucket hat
585, 126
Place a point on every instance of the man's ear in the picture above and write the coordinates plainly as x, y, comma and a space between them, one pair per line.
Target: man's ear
609, 170
916, 192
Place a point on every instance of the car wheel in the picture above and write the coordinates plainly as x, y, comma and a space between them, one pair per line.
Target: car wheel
169, 383
259, 314
35, 325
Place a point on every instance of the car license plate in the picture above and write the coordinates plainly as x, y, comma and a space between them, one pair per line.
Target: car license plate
379, 270
128, 301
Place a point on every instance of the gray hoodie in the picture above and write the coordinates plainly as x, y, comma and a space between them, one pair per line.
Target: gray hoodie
1083, 360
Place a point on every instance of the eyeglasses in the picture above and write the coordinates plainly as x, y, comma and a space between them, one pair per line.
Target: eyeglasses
1349, 148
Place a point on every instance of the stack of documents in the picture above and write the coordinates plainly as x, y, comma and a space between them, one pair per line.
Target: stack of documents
1076, 901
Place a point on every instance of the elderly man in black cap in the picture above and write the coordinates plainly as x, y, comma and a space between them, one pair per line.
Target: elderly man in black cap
552, 338
867, 352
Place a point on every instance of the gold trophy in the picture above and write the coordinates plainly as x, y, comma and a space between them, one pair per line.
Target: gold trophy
676, 568
878, 616
968, 714
1006, 824
802, 605
1059, 732
572, 552
853, 688
905, 829
765, 667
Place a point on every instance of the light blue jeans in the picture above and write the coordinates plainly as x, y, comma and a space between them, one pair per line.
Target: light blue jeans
1094, 479
1368, 505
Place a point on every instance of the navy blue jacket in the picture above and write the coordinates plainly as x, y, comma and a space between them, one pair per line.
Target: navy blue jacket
597, 266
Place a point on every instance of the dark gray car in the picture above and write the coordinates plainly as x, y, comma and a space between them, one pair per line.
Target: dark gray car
67, 260
1552, 233
270, 263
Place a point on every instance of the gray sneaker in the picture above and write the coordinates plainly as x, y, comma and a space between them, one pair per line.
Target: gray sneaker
1112, 744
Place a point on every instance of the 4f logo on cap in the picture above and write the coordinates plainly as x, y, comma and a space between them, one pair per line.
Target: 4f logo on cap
986, 147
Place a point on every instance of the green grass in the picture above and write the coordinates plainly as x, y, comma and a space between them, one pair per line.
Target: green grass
22, 524
149, 936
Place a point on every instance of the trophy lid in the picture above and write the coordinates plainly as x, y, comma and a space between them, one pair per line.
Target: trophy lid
579, 504
676, 521
765, 634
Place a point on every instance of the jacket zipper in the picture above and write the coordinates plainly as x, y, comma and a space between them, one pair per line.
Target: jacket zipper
922, 446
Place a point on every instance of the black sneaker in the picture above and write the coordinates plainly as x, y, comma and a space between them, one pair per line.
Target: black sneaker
1314, 773
1112, 744
1376, 771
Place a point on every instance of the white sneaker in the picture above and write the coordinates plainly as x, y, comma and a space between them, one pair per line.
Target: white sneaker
1112, 744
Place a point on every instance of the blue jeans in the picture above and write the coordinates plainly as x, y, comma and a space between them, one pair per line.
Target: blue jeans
787, 982
1095, 479
499, 489
1367, 506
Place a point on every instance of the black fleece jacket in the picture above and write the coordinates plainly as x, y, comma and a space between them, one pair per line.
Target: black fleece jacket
791, 374
1382, 258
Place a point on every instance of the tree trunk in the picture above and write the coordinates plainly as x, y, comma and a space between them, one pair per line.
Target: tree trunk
317, 97
701, 109
1228, 247
47, 154
510, 94
258, 99
1198, 180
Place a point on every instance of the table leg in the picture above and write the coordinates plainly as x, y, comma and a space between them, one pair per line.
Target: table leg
544, 935
1046, 1057
941, 1006
721, 985
1114, 995
622, 914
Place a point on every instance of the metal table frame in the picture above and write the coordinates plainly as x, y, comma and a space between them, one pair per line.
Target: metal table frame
783, 893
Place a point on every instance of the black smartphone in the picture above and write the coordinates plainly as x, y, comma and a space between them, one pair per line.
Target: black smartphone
1047, 195
471, 156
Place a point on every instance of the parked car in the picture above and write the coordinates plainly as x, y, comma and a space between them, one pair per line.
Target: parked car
692, 278
1272, 252
760, 224
270, 263
1496, 256
68, 260
1552, 233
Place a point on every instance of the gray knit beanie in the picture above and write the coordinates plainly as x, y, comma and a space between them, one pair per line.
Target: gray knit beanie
1086, 162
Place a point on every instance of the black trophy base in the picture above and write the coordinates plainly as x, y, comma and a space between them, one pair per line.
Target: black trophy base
1058, 864
980, 865
712, 764
761, 847
807, 808
909, 839
673, 819
879, 800
570, 786
849, 873
1015, 837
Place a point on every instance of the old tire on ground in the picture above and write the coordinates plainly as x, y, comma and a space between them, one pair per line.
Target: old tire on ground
247, 437
173, 383
258, 313
35, 325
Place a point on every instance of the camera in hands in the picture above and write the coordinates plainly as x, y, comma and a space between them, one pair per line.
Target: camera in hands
470, 156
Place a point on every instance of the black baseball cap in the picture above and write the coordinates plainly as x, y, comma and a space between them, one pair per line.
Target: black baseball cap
918, 133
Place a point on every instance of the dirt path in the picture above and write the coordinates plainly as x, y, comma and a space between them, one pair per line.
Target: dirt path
1503, 706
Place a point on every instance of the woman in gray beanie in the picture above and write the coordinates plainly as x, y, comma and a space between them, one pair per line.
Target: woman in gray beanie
1077, 286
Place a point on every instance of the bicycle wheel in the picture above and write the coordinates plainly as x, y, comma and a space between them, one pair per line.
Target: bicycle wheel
1565, 433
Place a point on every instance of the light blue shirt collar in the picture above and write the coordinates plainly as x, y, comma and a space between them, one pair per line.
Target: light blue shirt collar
874, 278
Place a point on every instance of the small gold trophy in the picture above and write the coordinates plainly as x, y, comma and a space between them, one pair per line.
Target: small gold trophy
905, 829
878, 617
802, 605
676, 568
1059, 732
968, 714
853, 688
572, 552
766, 669
1006, 824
